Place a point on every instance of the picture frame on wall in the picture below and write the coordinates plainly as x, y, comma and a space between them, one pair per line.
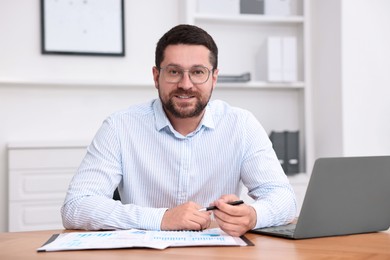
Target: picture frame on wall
83, 27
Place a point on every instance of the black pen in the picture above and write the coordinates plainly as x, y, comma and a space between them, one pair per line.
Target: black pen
233, 203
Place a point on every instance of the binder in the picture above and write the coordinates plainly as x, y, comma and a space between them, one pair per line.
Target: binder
292, 152
286, 146
278, 142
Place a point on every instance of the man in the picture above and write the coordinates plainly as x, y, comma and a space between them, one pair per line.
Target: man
174, 155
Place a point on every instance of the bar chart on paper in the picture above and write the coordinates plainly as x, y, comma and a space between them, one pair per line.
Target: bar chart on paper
139, 238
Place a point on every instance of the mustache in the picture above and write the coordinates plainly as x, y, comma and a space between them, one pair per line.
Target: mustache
184, 93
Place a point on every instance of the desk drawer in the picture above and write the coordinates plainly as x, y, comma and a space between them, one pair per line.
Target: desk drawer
39, 215
30, 185
39, 176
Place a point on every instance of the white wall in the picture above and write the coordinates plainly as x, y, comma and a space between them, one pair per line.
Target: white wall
36, 109
366, 76
351, 79
20, 45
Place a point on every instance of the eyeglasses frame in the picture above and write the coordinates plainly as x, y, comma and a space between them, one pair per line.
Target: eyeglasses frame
210, 71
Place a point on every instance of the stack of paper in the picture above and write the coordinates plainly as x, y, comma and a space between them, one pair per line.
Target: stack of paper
139, 238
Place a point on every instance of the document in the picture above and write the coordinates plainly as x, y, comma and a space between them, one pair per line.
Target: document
140, 238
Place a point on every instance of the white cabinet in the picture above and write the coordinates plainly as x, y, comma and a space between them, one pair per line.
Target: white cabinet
39, 175
242, 42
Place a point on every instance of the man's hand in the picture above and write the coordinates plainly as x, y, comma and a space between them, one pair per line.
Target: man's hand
186, 217
234, 220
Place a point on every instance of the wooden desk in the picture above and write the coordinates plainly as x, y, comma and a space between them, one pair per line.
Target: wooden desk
23, 245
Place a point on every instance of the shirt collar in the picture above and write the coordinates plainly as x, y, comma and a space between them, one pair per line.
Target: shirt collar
162, 120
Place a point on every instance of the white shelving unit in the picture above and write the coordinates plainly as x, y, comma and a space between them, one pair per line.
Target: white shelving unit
241, 39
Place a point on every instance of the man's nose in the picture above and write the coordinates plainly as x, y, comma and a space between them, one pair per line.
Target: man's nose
185, 82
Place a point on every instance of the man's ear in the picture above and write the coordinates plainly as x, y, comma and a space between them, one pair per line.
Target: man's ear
156, 75
215, 77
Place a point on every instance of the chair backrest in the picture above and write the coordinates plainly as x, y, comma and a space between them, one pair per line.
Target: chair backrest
116, 195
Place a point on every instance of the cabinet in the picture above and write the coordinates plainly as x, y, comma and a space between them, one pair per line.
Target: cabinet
242, 42
39, 176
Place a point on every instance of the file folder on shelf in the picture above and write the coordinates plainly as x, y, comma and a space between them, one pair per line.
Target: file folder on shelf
292, 151
278, 142
286, 146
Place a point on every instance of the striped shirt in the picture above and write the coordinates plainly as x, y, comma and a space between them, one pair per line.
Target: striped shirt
156, 168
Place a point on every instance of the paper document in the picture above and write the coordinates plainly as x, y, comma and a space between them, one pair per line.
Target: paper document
140, 238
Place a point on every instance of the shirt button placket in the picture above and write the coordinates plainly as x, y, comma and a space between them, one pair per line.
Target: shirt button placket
184, 171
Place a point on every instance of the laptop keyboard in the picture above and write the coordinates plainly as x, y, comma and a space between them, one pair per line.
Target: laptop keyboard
287, 229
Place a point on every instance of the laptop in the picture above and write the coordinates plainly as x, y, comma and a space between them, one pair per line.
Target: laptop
347, 195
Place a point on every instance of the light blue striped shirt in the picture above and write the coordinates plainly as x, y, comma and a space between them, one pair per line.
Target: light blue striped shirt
155, 168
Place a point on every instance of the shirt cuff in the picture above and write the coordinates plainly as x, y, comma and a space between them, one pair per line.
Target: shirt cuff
151, 218
263, 214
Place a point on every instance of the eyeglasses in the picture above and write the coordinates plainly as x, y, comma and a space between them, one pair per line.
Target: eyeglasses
174, 74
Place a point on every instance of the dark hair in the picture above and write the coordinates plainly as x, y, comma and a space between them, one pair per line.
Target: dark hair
186, 34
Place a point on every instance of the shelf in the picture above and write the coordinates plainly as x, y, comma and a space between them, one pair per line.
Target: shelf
68, 83
113, 84
247, 51
248, 18
262, 85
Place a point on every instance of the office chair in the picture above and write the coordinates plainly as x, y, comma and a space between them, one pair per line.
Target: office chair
116, 195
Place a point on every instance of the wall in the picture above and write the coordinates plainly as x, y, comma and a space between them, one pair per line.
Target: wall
50, 97
351, 61
366, 77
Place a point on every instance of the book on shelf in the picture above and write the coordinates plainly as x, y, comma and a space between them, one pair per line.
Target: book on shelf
245, 77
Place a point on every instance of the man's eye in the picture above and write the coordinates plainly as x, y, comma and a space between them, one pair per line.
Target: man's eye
174, 72
197, 72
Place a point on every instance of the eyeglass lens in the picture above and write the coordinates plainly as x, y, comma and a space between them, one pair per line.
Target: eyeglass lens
197, 74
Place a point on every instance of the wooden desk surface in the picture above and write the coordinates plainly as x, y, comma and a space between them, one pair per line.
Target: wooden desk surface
23, 245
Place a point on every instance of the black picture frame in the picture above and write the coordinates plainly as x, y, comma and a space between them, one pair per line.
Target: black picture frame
83, 27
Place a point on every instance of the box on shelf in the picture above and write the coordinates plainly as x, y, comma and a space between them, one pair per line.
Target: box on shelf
274, 59
226, 7
282, 59
289, 64
252, 6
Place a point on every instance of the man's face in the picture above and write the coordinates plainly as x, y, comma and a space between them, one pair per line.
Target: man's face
184, 99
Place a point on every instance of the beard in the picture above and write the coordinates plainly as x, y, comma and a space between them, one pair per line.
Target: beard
185, 111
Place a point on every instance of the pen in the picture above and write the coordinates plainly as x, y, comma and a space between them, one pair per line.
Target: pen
233, 203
